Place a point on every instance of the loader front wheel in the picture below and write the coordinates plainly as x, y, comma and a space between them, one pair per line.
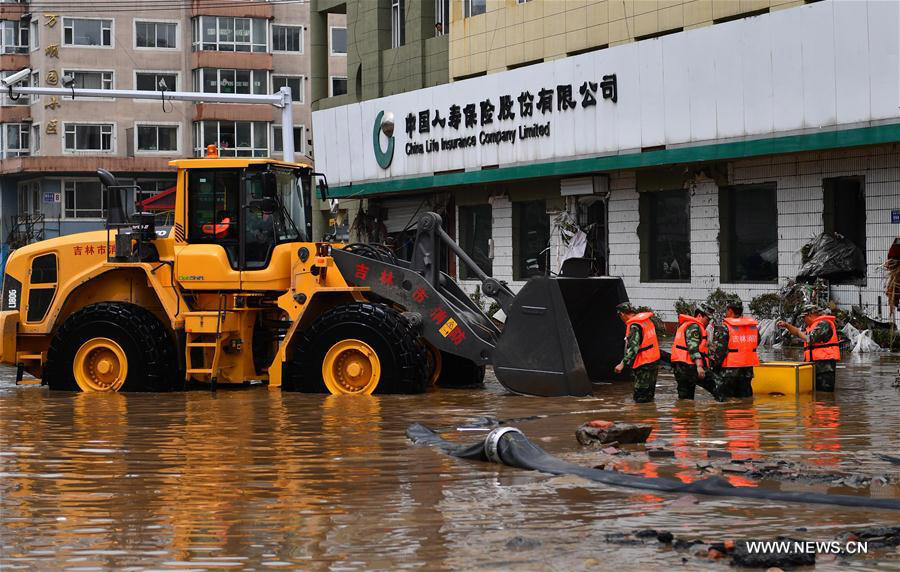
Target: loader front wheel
110, 347
358, 349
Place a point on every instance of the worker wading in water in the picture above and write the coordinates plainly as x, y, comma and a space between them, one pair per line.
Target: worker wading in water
733, 352
821, 345
690, 354
641, 351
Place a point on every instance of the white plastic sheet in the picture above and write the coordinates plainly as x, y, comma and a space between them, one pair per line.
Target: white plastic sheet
767, 331
861, 342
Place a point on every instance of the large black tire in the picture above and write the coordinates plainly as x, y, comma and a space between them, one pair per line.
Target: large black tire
148, 347
459, 372
401, 354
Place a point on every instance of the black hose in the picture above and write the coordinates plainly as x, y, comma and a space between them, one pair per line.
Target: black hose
512, 448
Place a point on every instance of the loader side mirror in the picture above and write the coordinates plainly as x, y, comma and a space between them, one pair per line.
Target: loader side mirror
269, 185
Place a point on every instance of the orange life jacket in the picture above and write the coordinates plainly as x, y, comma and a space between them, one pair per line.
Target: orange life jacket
829, 350
649, 352
742, 341
680, 352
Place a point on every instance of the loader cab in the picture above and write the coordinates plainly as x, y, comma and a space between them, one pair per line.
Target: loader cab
234, 214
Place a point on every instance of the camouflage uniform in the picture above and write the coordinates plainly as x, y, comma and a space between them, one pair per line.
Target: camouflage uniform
686, 374
825, 369
729, 381
644, 376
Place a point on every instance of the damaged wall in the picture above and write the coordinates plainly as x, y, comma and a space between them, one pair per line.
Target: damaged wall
799, 204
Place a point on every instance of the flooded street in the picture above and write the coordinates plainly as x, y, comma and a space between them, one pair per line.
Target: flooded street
255, 479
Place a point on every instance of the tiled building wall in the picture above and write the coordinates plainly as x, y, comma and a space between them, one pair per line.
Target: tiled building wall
510, 33
799, 203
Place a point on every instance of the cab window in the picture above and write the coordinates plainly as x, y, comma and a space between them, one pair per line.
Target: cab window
214, 209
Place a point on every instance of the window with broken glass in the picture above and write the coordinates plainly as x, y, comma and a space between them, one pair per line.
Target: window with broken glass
665, 236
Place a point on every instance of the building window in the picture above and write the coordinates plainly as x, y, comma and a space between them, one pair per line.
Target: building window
156, 81
209, 80
398, 23
87, 137
441, 17
35, 138
338, 86
233, 138
287, 38
87, 32
29, 197
91, 79
14, 140
35, 36
277, 143
155, 35
83, 199
338, 41
35, 82
473, 7
748, 222
531, 238
157, 138
293, 82
224, 34
474, 238
665, 228
13, 37
148, 188
845, 209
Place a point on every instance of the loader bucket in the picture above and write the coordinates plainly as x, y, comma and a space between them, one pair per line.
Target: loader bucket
560, 335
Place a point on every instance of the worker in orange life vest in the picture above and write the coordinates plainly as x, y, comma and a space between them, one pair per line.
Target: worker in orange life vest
690, 353
821, 345
641, 351
734, 352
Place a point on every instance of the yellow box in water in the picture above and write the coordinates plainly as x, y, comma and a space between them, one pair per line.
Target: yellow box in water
787, 377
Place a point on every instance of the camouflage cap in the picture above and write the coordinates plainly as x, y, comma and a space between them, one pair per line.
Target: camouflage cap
736, 304
625, 308
705, 308
811, 309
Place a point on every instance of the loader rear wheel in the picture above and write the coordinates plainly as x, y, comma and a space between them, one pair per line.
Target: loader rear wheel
109, 347
359, 348
459, 372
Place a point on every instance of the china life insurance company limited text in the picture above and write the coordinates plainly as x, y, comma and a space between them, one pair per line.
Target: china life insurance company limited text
484, 138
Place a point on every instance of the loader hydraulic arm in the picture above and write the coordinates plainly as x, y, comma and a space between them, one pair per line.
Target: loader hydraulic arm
426, 259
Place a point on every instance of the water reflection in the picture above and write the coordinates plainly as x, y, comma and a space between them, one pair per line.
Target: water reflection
253, 478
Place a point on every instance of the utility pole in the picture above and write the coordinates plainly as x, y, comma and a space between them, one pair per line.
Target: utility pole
282, 100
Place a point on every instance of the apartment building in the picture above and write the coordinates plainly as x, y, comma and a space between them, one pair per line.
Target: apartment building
683, 145
51, 146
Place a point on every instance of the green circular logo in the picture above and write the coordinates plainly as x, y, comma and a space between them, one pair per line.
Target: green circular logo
383, 158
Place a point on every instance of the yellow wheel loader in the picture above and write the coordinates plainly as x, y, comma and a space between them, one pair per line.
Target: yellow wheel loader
236, 292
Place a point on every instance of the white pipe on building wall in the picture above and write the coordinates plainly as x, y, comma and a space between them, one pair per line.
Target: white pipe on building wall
282, 99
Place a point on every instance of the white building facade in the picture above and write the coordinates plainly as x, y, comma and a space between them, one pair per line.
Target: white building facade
701, 159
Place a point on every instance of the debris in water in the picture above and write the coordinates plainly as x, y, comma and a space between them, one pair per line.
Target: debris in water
602, 432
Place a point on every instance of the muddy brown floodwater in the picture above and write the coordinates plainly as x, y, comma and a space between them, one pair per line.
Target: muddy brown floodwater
252, 478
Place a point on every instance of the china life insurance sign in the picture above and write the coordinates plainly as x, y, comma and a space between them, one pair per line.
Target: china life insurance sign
557, 109
467, 126
504, 120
